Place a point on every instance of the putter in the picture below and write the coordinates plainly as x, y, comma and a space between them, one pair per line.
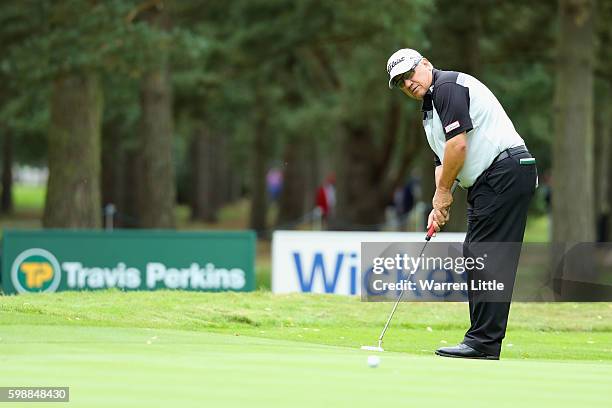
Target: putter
379, 348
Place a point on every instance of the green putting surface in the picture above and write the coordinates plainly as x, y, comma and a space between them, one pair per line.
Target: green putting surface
188, 349
136, 367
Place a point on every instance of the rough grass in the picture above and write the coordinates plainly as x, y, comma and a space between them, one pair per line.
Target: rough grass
542, 331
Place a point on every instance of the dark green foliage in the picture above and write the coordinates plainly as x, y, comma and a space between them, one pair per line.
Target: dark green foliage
309, 71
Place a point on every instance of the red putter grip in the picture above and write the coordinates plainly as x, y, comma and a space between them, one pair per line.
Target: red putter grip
430, 232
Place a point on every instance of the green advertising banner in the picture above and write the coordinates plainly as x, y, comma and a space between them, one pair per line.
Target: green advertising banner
58, 260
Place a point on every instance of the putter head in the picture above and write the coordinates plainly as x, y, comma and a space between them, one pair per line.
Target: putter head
372, 348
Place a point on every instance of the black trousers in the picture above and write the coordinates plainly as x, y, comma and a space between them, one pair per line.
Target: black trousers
497, 212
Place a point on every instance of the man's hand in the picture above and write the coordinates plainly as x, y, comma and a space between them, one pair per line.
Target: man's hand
438, 219
442, 199
440, 214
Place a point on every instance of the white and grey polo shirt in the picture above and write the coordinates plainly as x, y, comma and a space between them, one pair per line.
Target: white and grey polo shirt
456, 103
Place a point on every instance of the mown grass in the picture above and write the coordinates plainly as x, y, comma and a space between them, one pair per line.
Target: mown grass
144, 367
537, 229
28, 197
553, 331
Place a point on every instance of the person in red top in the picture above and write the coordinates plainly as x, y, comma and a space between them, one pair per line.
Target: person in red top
326, 197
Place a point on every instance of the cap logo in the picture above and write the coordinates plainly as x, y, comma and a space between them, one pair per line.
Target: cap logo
394, 63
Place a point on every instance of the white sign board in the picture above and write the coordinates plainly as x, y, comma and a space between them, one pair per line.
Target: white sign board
329, 261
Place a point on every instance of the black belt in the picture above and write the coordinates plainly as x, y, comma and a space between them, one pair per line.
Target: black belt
510, 152
503, 155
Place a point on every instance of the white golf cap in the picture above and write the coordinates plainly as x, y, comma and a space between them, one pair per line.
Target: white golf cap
402, 61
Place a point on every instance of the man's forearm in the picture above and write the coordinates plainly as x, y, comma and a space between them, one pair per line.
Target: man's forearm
454, 157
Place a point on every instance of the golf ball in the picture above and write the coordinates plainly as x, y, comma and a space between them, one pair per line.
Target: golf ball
373, 361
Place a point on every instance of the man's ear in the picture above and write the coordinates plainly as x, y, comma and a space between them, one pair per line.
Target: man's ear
427, 63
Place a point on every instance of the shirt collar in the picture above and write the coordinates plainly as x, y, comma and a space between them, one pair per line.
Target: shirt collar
427, 99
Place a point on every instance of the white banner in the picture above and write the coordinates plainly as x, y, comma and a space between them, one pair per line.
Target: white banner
329, 261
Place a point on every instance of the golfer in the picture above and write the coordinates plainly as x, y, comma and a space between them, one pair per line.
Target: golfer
475, 143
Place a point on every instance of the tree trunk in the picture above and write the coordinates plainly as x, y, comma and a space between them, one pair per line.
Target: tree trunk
313, 174
293, 194
113, 171
359, 204
572, 170
199, 172
207, 186
223, 172
295, 156
73, 189
602, 153
369, 172
234, 182
608, 176
157, 193
259, 202
129, 217
7, 173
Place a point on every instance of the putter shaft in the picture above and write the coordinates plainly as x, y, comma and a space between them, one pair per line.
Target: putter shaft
430, 233
399, 298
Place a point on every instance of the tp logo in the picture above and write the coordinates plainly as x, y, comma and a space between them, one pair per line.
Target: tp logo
35, 270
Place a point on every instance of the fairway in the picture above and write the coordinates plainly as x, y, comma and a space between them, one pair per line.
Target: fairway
155, 367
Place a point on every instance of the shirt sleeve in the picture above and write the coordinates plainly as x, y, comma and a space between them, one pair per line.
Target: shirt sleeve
452, 102
437, 161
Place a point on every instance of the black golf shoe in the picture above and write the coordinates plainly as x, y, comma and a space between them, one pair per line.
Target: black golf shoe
464, 351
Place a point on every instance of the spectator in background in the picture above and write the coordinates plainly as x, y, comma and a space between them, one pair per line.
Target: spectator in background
274, 183
404, 202
326, 197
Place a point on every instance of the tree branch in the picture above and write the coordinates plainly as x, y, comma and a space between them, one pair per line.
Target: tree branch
141, 8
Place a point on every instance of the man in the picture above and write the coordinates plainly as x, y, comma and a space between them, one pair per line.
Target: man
475, 143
